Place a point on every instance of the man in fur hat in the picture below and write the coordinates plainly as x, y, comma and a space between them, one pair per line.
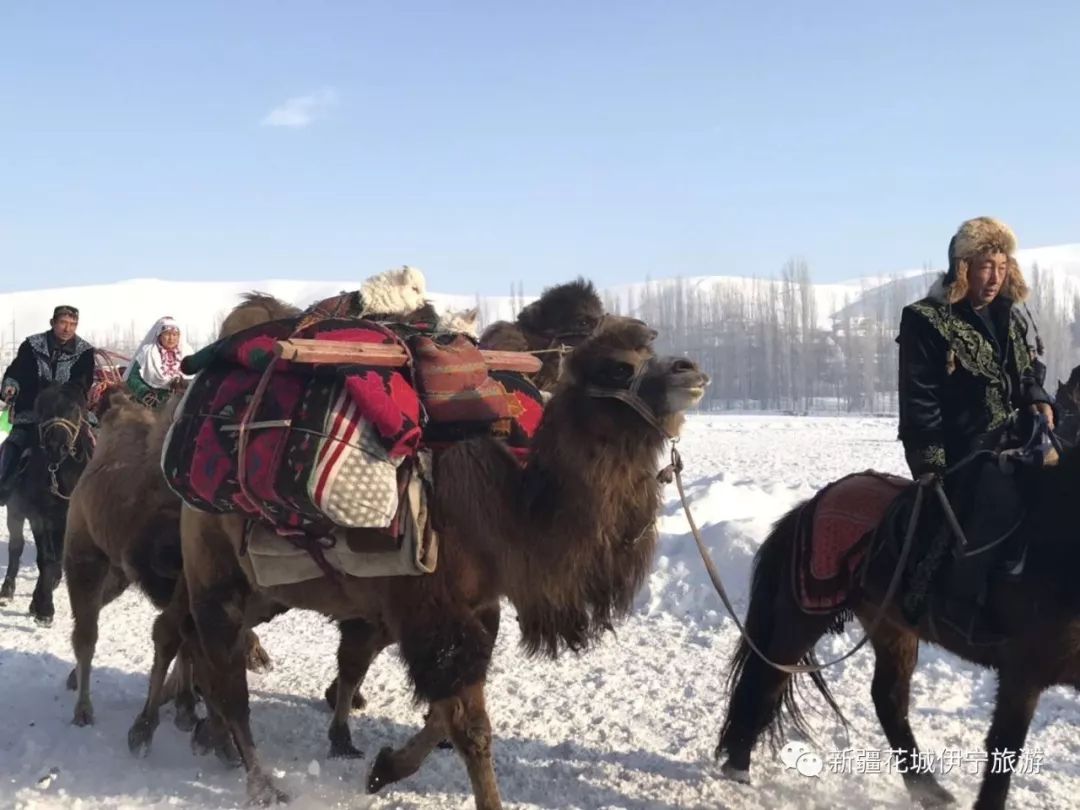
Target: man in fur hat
966, 366
56, 356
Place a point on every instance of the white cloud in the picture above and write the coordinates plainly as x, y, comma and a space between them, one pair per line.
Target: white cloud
301, 111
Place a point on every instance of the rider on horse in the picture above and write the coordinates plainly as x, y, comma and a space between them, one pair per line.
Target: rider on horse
56, 356
966, 366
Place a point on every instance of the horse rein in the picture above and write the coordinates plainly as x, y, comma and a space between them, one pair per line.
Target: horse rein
73, 430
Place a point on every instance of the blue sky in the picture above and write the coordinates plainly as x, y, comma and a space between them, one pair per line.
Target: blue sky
491, 143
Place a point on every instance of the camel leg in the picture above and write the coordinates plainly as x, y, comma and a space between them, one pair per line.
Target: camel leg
896, 654
1016, 700
360, 642
116, 583
184, 699
392, 766
448, 659
470, 731
16, 543
87, 569
220, 670
167, 639
258, 660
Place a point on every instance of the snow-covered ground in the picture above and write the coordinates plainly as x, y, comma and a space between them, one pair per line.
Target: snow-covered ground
629, 725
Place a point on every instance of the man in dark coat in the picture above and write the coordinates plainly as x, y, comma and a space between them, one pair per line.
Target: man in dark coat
966, 367
56, 356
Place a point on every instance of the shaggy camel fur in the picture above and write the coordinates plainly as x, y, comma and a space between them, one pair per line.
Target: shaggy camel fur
568, 540
564, 315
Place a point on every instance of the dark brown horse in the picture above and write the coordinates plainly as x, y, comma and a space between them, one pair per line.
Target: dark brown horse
56, 460
1039, 614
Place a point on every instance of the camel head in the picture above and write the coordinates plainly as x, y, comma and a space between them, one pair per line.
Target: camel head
618, 364
564, 314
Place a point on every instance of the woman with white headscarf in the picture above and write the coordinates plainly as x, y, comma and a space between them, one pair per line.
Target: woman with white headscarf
155, 368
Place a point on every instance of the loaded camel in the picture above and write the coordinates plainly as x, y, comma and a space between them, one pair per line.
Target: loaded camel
568, 539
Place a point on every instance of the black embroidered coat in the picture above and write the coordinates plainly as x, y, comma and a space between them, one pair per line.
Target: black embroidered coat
42, 360
951, 407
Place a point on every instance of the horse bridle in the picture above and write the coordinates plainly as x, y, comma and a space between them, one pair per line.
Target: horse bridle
73, 430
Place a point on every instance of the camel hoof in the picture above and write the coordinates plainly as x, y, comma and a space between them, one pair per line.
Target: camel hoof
84, 715
381, 773
735, 774
140, 736
7, 591
359, 703
202, 738
73, 680
185, 718
257, 658
263, 793
931, 794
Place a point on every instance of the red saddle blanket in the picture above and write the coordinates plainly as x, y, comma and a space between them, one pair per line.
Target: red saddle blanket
324, 442
830, 549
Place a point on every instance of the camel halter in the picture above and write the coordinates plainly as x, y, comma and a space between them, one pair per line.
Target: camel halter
630, 396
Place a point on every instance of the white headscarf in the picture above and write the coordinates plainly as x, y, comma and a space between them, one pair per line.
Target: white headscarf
159, 366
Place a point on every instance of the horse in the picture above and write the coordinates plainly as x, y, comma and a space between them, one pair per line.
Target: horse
1037, 613
41, 494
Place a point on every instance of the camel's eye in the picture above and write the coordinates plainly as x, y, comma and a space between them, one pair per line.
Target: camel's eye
616, 373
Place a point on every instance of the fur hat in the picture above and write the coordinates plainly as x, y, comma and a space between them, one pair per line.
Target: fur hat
974, 238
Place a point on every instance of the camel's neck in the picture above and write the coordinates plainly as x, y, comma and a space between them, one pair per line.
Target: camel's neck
588, 499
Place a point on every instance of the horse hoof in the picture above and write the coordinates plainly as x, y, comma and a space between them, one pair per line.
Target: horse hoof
140, 736
263, 793
381, 773
7, 591
739, 775
84, 715
73, 680
42, 621
227, 753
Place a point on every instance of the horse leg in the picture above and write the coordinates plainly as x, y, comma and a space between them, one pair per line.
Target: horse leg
167, 639
1016, 700
16, 543
87, 568
116, 583
184, 699
896, 653
360, 642
760, 688
49, 542
258, 660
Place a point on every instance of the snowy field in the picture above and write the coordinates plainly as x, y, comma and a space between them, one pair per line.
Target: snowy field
630, 725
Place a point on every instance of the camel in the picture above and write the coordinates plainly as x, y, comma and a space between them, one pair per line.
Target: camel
568, 539
564, 315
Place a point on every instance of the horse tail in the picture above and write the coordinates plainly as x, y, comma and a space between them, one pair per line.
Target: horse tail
771, 576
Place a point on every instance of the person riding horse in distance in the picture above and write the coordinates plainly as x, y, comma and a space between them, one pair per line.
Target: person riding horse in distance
56, 356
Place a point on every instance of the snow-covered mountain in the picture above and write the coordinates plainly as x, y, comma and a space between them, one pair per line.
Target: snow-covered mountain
119, 313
